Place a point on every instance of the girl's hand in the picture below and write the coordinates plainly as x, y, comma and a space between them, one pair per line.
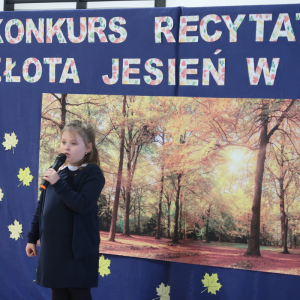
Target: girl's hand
31, 250
51, 176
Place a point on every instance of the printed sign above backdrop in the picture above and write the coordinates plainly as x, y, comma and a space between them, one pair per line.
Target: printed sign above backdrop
217, 57
237, 52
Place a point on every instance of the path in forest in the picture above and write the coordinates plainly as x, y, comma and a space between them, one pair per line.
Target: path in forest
218, 254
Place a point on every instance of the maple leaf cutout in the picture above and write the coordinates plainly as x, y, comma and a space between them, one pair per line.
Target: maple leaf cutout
163, 292
210, 282
104, 265
10, 141
25, 177
1, 194
15, 230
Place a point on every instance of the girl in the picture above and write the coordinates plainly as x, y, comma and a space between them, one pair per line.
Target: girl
66, 219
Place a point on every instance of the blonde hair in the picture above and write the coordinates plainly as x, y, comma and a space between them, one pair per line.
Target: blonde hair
87, 133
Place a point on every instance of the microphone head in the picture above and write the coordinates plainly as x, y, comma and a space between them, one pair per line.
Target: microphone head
61, 157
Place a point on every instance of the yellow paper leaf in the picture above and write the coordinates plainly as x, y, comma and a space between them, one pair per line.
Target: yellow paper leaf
25, 177
1, 194
163, 292
211, 284
104, 265
10, 141
15, 230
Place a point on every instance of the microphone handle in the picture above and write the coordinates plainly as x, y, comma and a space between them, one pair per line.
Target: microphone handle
45, 183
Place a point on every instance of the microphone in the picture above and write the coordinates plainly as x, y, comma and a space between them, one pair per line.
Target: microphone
59, 161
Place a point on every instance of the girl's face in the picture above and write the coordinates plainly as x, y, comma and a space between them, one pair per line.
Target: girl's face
73, 146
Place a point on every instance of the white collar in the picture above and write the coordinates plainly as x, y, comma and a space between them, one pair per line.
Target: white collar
73, 168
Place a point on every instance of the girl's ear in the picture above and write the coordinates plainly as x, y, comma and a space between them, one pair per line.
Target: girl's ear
89, 147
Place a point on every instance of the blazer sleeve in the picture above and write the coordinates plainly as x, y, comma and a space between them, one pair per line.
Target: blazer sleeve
34, 234
83, 201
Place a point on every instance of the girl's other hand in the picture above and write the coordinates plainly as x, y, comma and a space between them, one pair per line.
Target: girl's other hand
51, 176
31, 250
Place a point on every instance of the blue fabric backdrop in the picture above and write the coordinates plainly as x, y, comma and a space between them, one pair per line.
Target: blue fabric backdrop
20, 109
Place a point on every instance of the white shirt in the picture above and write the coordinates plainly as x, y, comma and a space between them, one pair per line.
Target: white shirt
72, 168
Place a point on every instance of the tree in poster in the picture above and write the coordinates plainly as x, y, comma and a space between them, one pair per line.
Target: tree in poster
161, 140
273, 113
113, 225
283, 169
186, 156
139, 131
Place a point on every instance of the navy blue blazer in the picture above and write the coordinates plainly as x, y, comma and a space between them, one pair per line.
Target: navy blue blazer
82, 200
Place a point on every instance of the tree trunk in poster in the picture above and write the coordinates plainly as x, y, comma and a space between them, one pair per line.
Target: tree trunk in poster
133, 148
157, 235
63, 110
169, 216
139, 217
284, 226
134, 218
180, 219
283, 217
282, 192
113, 226
207, 226
126, 230
253, 246
175, 237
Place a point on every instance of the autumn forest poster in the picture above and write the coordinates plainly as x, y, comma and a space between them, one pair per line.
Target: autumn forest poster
209, 181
